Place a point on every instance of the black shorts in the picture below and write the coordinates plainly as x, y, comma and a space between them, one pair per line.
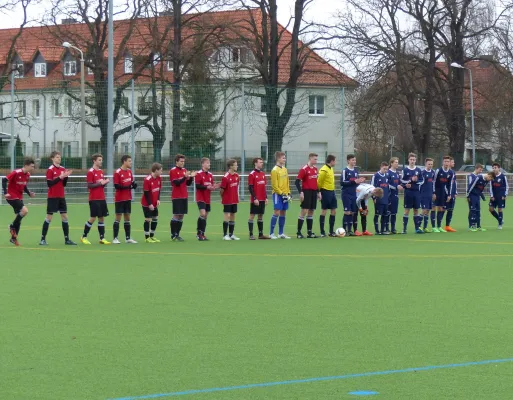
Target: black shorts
54, 205
203, 206
257, 210
150, 214
180, 206
230, 208
310, 200
16, 205
98, 208
328, 200
123, 207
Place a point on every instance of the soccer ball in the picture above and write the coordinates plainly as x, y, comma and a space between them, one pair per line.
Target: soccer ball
340, 232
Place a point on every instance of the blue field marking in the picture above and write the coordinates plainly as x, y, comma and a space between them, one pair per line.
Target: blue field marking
363, 393
318, 379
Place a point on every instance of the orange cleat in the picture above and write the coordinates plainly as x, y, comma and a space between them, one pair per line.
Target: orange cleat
357, 233
449, 229
367, 233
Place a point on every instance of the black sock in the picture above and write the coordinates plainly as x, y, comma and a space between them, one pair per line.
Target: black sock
198, 226
17, 223
203, 226
231, 227
115, 229
260, 224
332, 224
355, 222
309, 224
87, 228
225, 228
65, 229
172, 224
154, 223
147, 229
300, 222
128, 228
179, 227
364, 223
44, 232
101, 230
250, 227
322, 218
376, 220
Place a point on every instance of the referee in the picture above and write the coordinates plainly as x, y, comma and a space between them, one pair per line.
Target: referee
326, 185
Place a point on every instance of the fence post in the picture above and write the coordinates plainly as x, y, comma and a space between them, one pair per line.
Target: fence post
13, 142
242, 145
343, 123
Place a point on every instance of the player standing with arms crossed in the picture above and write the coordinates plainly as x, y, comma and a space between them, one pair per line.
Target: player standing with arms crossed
427, 194
380, 180
306, 184
180, 178
394, 183
56, 179
281, 195
452, 202
326, 185
150, 201
13, 186
204, 182
499, 189
412, 180
349, 180
443, 186
96, 183
257, 183
123, 183
476, 185
230, 199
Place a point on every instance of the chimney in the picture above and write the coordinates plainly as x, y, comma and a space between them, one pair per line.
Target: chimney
68, 21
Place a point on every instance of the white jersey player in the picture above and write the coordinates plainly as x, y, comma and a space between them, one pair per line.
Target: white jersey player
364, 191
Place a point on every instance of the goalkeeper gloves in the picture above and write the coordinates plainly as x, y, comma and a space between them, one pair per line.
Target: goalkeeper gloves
286, 198
134, 185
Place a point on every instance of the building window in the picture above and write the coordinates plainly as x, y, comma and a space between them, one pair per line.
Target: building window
156, 58
170, 65
22, 109
1, 111
144, 147
35, 149
124, 148
36, 108
70, 68
263, 150
123, 106
18, 70
39, 70
68, 107
55, 108
93, 147
263, 104
316, 106
129, 65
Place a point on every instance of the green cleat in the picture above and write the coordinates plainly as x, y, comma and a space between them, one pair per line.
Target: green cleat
442, 230
428, 230
436, 230
482, 229
472, 229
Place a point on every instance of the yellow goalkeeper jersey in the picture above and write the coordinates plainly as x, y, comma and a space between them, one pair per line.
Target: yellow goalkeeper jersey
280, 180
326, 178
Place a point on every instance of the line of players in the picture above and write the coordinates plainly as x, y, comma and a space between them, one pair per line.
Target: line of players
433, 192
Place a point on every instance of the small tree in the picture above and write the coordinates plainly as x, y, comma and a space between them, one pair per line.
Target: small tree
18, 148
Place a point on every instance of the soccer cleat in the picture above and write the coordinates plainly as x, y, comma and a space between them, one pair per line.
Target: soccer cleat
69, 243
283, 236
104, 241
43, 243
436, 230
428, 230
177, 238
419, 231
323, 235
12, 231
131, 241
442, 230
201, 238
273, 236
149, 240
299, 235
357, 233
332, 234
472, 229
233, 237
84, 240
367, 233
226, 237
482, 229
404, 232
116, 241
311, 236
252, 237
385, 233
14, 241
155, 240
449, 229
351, 233
394, 232
263, 237
499, 227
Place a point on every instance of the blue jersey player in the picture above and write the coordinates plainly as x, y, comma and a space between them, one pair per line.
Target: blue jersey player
394, 183
349, 181
412, 180
427, 193
380, 180
475, 186
452, 202
443, 186
499, 189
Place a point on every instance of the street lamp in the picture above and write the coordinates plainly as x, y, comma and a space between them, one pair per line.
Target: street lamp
82, 102
456, 65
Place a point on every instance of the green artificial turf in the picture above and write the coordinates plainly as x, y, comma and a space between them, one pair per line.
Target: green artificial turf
108, 322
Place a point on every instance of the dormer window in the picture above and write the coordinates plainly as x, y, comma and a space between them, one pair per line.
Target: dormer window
39, 70
17, 67
169, 65
234, 55
70, 68
129, 65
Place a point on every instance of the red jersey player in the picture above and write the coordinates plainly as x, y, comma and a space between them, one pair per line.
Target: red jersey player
180, 178
124, 183
257, 188
151, 201
306, 183
230, 199
13, 186
56, 179
97, 204
204, 181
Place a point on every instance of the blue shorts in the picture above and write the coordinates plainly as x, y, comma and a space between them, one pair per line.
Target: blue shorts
412, 199
441, 200
279, 204
381, 208
426, 202
474, 202
497, 203
328, 200
393, 204
349, 203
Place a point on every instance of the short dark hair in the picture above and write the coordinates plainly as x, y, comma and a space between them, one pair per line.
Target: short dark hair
155, 167
349, 156
53, 154
178, 157
124, 158
95, 156
496, 164
330, 158
428, 159
257, 159
230, 162
384, 164
28, 161
447, 157
412, 155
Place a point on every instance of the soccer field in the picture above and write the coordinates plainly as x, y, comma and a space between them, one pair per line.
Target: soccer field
399, 317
